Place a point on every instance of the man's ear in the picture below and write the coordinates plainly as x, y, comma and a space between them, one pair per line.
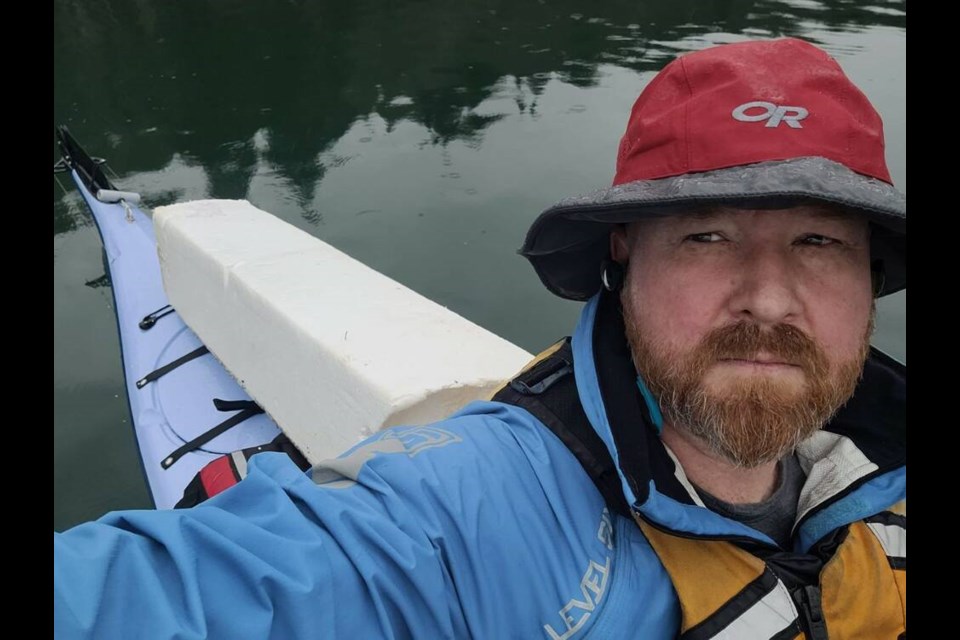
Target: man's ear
619, 244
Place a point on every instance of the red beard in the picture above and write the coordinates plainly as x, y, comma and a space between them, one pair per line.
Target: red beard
753, 419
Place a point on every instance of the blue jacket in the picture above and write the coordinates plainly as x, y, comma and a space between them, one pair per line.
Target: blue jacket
483, 525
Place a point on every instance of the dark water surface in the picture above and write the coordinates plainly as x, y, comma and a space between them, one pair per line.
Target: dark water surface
420, 137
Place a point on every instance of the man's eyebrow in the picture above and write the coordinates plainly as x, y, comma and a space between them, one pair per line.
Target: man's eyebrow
705, 214
834, 213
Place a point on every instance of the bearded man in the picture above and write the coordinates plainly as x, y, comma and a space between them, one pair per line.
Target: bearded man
716, 452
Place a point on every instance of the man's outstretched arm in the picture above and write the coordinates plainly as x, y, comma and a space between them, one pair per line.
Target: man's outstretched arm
274, 557
483, 525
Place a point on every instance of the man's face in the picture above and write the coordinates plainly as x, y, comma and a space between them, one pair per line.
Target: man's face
750, 327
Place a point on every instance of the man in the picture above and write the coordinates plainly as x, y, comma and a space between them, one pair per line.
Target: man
715, 453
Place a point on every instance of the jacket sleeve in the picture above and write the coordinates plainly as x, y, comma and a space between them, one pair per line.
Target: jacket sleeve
273, 557
483, 525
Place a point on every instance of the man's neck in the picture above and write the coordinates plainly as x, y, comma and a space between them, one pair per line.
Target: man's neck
736, 485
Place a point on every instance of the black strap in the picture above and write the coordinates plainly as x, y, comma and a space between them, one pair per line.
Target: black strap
548, 390
167, 368
250, 408
233, 405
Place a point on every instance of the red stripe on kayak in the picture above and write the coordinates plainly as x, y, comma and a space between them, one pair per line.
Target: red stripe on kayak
218, 476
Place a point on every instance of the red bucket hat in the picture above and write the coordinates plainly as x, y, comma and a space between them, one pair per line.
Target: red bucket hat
763, 124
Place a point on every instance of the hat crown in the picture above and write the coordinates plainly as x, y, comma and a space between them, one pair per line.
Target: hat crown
750, 102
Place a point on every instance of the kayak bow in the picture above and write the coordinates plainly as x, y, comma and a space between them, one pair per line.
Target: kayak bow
186, 408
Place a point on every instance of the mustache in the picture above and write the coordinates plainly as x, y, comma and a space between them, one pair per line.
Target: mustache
745, 340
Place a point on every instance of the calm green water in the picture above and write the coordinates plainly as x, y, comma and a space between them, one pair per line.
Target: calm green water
420, 137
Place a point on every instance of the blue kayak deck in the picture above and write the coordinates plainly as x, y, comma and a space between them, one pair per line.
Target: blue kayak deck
178, 406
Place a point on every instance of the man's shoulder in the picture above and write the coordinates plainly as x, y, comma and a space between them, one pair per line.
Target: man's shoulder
489, 439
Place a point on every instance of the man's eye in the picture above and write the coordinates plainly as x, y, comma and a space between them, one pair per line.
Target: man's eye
710, 236
817, 240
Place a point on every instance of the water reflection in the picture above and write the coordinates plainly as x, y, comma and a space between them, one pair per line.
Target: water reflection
147, 76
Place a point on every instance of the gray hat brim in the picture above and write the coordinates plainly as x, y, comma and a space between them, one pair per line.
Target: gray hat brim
568, 242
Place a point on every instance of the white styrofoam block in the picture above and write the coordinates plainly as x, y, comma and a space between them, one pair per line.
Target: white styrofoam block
330, 348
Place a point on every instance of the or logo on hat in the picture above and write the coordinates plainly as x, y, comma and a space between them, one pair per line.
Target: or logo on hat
772, 113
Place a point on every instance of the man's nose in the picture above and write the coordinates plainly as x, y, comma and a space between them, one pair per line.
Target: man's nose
766, 289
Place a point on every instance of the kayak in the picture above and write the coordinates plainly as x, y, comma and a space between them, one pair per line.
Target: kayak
193, 281
186, 409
